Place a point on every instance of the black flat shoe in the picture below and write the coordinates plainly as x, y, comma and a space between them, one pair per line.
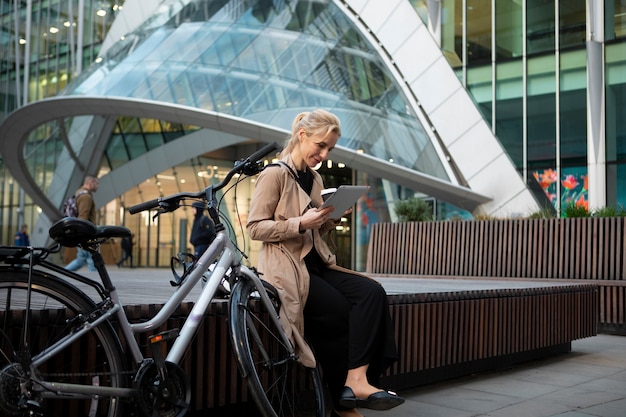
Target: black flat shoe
381, 400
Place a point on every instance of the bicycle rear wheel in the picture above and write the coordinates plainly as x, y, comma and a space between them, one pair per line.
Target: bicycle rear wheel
95, 359
278, 383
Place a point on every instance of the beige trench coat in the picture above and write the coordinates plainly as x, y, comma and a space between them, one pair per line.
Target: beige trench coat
277, 205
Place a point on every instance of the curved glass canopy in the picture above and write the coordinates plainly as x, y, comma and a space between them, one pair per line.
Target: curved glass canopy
266, 62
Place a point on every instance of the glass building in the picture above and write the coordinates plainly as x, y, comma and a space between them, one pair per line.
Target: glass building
549, 78
484, 107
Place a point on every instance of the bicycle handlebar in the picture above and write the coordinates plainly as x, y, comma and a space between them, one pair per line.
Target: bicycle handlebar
248, 166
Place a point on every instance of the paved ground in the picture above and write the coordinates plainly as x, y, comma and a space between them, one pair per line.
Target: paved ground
588, 381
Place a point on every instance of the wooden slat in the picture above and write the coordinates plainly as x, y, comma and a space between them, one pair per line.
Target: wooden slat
590, 249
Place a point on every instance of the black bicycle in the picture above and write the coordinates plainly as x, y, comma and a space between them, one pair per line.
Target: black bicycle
67, 347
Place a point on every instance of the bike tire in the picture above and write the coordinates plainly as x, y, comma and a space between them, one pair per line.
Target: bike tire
96, 358
279, 385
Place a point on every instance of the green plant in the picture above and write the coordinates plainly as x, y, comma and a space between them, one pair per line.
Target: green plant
609, 212
414, 209
544, 213
573, 210
485, 216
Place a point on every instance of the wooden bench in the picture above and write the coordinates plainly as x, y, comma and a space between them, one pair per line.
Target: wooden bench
446, 334
440, 335
578, 250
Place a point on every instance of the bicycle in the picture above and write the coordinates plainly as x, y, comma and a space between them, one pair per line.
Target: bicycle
38, 367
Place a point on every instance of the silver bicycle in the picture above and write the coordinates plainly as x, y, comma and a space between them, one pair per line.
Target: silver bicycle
63, 352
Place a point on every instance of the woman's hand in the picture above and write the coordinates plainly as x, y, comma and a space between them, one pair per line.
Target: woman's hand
314, 218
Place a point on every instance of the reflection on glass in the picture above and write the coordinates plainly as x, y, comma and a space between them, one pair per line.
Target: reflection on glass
541, 111
509, 107
540, 26
452, 31
615, 19
478, 32
265, 62
509, 30
573, 108
616, 123
479, 82
572, 23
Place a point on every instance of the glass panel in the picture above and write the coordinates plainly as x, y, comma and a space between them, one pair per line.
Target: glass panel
615, 19
295, 56
223, 47
574, 187
509, 30
479, 84
540, 31
616, 123
572, 24
452, 31
41, 152
478, 32
573, 103
619, 182
509, 110
116, 152
573, 126
541, 104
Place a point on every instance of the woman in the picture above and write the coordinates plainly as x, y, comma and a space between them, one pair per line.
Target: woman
342, 314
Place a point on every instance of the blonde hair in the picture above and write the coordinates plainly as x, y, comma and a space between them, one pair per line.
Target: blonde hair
314, 122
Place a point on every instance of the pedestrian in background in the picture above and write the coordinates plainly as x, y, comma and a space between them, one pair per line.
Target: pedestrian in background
202, 229
87, 211
127, 250
21, 237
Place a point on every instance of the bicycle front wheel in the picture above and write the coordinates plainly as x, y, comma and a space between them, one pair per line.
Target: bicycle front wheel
278, 383
56, 308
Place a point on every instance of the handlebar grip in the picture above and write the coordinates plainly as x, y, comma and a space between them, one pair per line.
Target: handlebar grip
266, 150
146, 205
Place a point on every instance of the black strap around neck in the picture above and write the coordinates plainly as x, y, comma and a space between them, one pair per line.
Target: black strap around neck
296, 177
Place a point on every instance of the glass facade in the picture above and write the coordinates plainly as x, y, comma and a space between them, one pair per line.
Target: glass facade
263, 63
541, 110
55, 40
44, 44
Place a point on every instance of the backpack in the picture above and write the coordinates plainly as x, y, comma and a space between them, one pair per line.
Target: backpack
70, 208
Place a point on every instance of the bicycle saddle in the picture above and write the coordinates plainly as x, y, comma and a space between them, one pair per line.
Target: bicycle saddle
72, 231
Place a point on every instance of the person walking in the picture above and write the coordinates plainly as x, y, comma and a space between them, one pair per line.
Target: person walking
127, 250
202, 229
344, 315
21, 237
87, 211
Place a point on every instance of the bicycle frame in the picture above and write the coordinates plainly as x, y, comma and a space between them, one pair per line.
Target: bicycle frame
221, 247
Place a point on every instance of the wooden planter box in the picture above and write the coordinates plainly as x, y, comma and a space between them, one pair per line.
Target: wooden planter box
586, 250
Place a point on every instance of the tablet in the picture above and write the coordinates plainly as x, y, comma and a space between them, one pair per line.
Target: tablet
343, 198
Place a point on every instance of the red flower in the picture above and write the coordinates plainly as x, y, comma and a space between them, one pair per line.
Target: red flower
581, 202
570, 182
549, 176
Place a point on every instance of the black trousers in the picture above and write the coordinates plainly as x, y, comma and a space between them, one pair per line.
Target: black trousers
348, 325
